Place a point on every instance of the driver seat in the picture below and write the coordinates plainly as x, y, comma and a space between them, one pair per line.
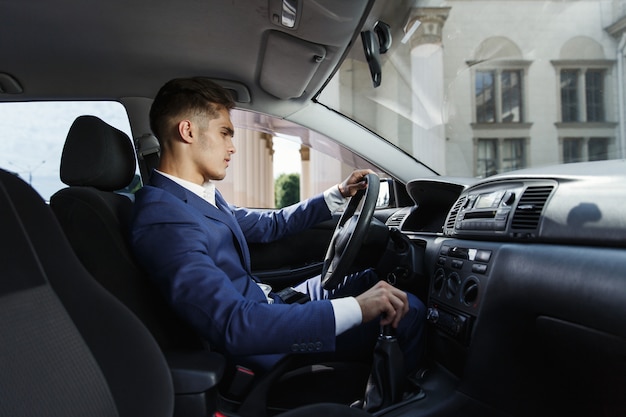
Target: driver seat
97, 160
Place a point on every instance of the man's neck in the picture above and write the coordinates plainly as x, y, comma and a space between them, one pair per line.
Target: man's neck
179, 169
205, 191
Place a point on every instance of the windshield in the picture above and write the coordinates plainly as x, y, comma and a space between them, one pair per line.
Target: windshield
475, 88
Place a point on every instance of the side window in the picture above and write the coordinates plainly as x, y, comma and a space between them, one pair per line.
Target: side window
32, 135
278, 162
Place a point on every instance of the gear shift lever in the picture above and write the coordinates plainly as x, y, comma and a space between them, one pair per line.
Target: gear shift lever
386, 381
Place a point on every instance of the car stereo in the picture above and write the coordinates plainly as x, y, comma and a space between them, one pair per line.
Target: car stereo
486, 211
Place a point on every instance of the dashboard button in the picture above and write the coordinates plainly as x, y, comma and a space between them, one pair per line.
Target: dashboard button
482, 255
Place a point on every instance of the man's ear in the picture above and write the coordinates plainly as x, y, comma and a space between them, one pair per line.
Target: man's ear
185, 131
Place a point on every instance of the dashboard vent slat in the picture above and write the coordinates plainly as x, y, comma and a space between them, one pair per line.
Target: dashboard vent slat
530, 206
454, 212
396, 219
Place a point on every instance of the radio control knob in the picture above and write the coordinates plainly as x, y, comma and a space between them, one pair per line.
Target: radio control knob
509, 198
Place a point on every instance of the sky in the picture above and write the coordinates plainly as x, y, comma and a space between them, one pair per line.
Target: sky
32, 137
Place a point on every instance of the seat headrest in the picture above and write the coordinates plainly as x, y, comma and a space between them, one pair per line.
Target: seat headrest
98, 155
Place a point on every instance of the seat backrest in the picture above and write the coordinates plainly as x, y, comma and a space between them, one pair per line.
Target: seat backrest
98, 159
68, 347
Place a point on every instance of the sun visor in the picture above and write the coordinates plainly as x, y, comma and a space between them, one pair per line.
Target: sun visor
289, 65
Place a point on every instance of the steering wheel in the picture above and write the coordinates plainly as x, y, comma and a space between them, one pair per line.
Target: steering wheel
349, 234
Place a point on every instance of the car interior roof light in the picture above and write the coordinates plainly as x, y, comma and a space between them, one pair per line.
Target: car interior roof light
289, 13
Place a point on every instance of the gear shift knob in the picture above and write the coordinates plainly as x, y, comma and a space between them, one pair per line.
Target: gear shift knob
386, 381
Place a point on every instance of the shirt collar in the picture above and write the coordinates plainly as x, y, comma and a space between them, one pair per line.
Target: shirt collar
205, 191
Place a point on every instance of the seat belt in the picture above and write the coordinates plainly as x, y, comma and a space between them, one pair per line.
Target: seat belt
148, 154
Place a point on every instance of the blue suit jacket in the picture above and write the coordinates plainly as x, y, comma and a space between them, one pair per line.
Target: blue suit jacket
198, 256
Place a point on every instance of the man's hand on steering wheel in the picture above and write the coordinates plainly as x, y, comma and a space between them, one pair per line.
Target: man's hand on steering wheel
355, 182
352, 226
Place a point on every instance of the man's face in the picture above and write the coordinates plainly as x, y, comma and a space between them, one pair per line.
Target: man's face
214, 147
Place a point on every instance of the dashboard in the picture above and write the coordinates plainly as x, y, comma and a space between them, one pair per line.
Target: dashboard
527, 285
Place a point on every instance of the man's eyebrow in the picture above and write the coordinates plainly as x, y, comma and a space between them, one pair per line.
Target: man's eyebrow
230, 130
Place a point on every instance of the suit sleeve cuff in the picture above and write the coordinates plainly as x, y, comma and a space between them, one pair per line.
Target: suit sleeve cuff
347, 314
334, 199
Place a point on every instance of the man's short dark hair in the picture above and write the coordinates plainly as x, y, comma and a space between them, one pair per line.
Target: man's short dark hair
187, 96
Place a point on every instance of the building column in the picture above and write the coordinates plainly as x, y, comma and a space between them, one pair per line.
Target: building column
618, 31
426, 63
305, 176
249, 178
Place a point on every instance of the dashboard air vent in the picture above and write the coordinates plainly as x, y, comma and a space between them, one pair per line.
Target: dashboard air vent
396, 219
530, 206
454, 212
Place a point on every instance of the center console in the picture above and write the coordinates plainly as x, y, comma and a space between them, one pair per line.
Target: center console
460, 276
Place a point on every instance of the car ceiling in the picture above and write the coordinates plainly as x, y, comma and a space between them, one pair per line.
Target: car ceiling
76, 49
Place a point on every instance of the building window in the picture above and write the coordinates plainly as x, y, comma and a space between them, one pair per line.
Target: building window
572, 150
494, 156
511, 96
485, 103
585, 149
598, 149
487, 157
498, 96
594, 95
513, 154
582, 95
569, 95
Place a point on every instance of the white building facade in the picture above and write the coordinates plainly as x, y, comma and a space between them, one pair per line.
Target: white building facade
522, 96
485, 97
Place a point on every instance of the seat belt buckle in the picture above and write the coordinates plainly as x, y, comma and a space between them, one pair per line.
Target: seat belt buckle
290, 296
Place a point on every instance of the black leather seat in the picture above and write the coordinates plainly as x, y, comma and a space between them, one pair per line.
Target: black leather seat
98, 160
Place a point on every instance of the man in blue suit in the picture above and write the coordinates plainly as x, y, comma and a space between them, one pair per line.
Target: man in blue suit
194, 246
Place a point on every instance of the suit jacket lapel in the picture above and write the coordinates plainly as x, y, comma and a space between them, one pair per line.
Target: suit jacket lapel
231, 221
221, 213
